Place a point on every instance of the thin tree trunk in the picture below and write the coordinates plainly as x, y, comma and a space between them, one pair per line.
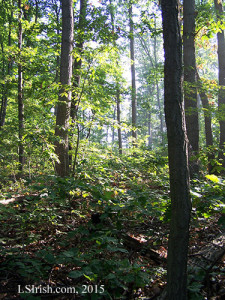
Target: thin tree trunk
64, 104
78, 61
113, 128
57, 12
119, 121
177, 153
75, 101
221, 63
149, 131
117, 90
208, 123
20, 91
3, 110
6, 86
4, 96
157, 90
153, 64
76, 151
160, 111
190, 91
133, 90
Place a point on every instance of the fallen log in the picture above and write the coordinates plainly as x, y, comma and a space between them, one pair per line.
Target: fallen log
133, 244
143, 248
19, 198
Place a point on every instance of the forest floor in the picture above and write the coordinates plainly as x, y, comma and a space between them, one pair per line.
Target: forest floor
105, 235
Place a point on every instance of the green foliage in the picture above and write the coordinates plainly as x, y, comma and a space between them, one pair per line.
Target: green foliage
208, 197
115, 188
126, 191
205, 19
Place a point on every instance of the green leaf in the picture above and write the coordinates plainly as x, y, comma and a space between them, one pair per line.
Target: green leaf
75, 274
115, 249
213, 178
70, 253
111, 276
91, 278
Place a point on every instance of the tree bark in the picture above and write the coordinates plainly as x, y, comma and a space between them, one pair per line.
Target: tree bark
4, 90
177, 152
75, 101
20, 91
133, 89
190, 90
3, 110
57, 9
149, 131
119, 121
221, 94
157, 88
113, 128
118, 112
64, 104
208, 123
78, 61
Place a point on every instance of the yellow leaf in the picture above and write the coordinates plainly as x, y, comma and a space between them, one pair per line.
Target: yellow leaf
213, 178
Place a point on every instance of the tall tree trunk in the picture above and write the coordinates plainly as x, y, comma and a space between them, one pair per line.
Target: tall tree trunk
190, 91
6, 86
157, 88
133, 88
78, 61
57, 13
208, 123
177, 152
221, 95
149, 118
75, 101
4, 90
118, 112
20, 91
160, 111
149, 131
117, 88
3, 109
119, 121
4, 95
63, 111
113, 128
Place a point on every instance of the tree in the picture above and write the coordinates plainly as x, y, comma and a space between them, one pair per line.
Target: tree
20, 90
64, 103
150, 75
57, 8
190, 90
133, 88
157, 86
119, 120
78, 59
6, 66
177, 152
207, 123
118, 113
221, 94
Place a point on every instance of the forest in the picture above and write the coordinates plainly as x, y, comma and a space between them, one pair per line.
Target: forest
112, 159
